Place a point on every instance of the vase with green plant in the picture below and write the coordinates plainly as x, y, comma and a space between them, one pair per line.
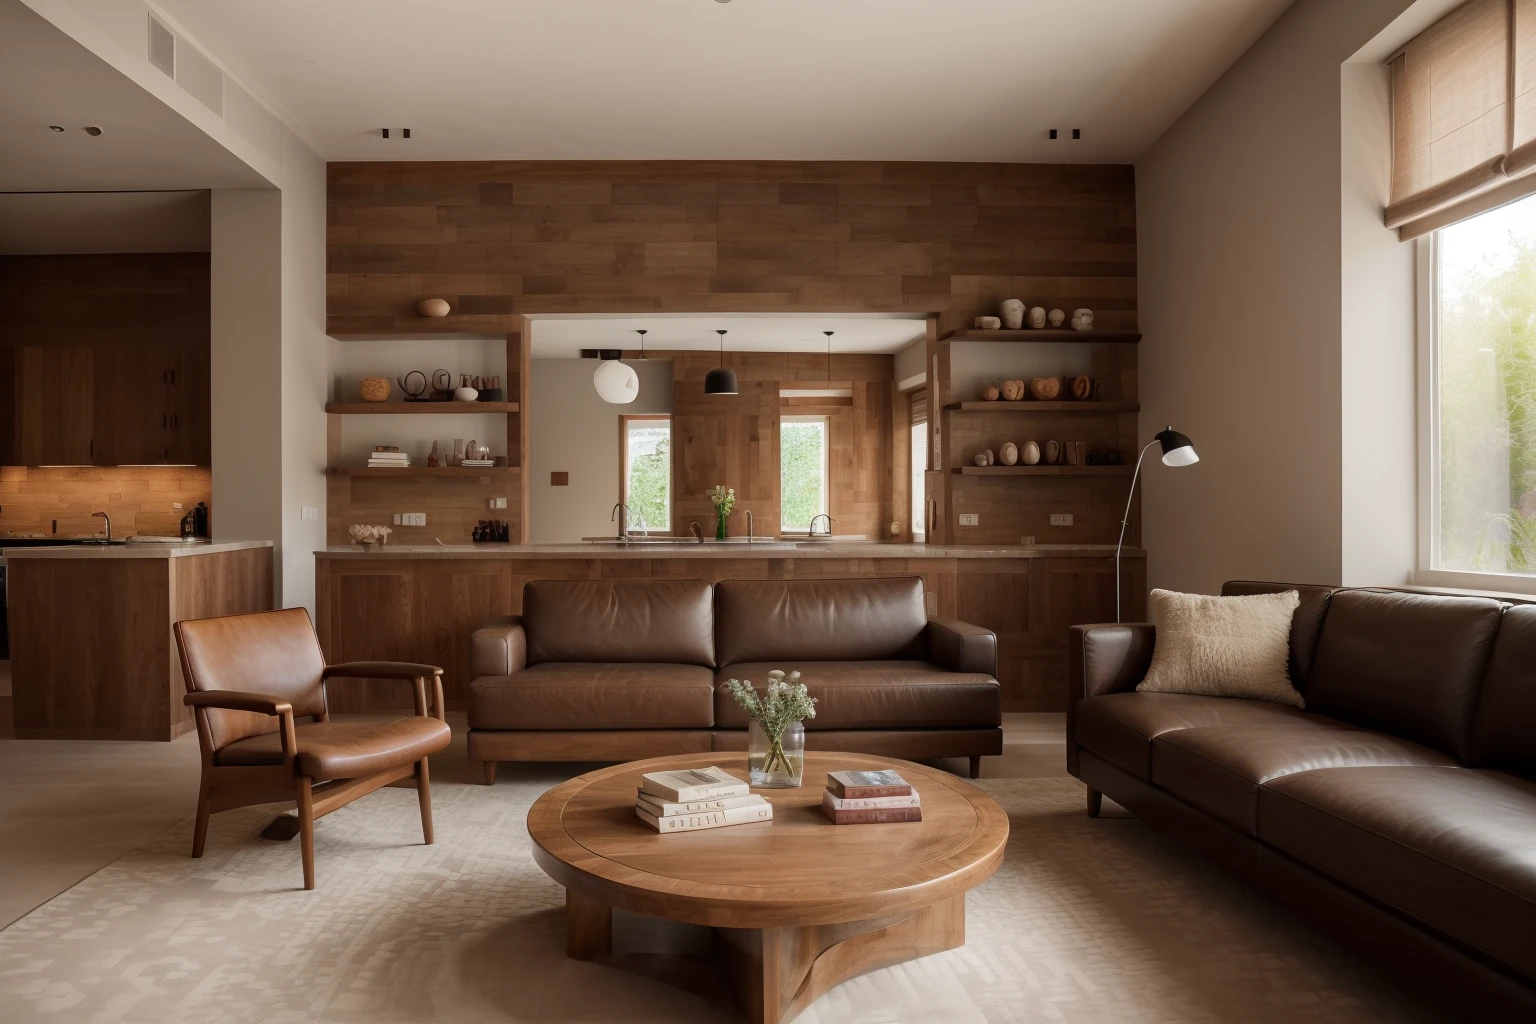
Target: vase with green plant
724, 499
776, 732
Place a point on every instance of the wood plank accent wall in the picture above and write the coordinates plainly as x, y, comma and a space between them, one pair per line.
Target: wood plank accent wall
726, 440
138, 498
501, 238
860, 436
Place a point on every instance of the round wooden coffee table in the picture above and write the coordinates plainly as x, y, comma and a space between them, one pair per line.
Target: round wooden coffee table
798, 905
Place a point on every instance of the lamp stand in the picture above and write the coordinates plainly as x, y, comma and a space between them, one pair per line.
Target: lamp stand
1125, 522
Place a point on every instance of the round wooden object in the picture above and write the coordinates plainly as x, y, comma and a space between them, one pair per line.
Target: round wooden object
1045, 388
433, 307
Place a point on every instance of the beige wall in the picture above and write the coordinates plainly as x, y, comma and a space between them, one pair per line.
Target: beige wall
1242, 300
575, 431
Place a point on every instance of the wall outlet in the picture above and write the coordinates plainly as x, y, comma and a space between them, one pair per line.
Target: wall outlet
413, 519
309, 513
1027, 541
970, 519
397, 519
176, 504
496, 503
1061, 518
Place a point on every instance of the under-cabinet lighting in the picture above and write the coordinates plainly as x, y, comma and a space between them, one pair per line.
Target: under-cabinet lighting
157, 465
67, 465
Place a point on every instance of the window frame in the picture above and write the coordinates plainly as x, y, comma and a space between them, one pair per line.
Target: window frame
826, 468
625, 420
917, 504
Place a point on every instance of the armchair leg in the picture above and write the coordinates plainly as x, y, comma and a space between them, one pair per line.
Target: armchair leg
489, 767
1095, 802
424, 795
976, 767
307, 830
200, 827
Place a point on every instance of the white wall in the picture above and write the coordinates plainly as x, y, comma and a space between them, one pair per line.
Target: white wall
576, 431
912, 360
1242, 311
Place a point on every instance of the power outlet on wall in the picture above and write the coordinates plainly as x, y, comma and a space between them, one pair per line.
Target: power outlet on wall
496, 503
1061, 518
970, 519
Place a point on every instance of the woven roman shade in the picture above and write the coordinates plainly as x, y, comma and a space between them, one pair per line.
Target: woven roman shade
919, 399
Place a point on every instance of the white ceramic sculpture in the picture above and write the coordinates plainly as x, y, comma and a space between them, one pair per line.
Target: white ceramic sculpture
465, 394
1012, 311
1031, 454
1010, 454
1056, 317
1037, 317
981, 459
1082, 319
988, 323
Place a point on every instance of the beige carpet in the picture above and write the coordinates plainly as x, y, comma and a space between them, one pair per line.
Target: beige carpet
1087, 921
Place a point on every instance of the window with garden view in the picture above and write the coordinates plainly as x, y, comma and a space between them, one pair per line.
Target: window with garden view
1484, 355
803, 471
647, 462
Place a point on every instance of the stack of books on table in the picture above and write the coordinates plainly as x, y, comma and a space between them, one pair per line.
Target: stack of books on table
696, 798
869, 798
387, 456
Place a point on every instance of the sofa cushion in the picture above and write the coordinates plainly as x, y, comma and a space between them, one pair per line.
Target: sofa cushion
1306, 624
1453, 848
820, 620
345, 750
1223, 646
875, 695
1220, 769
1505, 734
1120, 727
668, 621
1406, 664
588, 695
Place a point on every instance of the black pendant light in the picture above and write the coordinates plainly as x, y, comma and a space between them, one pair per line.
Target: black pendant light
720, 381
829, 355
642, 343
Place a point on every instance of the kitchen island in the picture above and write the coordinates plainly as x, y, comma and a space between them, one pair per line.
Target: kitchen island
92, 654
422, 603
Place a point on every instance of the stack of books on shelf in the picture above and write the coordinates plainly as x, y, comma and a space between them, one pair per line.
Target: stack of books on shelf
870, 798
697, 798
388, 456
477, 462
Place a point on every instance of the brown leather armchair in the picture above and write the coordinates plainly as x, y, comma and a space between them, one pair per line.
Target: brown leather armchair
251, 679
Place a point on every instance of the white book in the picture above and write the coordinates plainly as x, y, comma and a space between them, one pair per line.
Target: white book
868, 803
693, 784
389, 455
708, 819
667, 808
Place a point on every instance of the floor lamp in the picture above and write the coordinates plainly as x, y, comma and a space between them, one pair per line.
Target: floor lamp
1178, 450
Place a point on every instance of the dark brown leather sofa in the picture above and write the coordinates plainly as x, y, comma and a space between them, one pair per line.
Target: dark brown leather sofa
616, 670
1397, 812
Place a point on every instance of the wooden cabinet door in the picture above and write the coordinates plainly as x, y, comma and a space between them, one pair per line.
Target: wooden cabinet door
55, 406
132, 405
189, 388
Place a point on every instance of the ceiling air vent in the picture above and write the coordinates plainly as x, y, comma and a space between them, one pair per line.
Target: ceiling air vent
162, 47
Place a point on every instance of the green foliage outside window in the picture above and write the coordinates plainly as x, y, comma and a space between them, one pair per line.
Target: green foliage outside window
803, 461
650, 470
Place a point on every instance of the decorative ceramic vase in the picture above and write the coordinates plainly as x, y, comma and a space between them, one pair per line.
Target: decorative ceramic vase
465, 394
1012, 312
373, 389
776, 762
433, 459
1009, 454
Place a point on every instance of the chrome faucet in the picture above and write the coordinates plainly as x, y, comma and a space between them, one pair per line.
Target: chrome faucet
623, 523
812, 529
749, 524
109, 523
697, 531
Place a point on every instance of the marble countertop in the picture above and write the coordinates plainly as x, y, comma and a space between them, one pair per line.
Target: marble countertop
770, 549
176, 550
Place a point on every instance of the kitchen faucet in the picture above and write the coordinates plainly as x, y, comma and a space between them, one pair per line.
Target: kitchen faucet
749, 524
623, 523
823, 515
109, 523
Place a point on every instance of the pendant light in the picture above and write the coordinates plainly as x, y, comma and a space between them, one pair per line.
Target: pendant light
829, 356
642, 343
616, 383
720, 381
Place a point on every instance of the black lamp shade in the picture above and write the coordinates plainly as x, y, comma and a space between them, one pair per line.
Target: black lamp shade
1178, 449
720, 382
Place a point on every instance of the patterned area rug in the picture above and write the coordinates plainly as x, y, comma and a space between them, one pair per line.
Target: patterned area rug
1089, 922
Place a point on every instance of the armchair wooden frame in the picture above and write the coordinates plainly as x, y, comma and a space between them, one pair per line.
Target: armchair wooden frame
225, 787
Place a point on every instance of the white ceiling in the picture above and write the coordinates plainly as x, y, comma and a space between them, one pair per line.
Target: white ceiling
46, 78
63, 222
564, 336
969, 80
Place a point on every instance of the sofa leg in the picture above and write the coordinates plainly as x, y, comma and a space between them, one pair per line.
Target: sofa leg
1095, 802
976, 766
489, 767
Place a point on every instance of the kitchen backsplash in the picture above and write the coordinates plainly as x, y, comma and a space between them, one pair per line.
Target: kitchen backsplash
139, 499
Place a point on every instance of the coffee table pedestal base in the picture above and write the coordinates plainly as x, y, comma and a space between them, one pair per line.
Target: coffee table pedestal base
772, 974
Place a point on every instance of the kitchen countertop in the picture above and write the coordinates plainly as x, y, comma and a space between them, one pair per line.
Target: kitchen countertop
772, 549
176, 550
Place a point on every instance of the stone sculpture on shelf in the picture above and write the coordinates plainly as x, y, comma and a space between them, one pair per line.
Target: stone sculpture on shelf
1009, 454
1012, 311
1013, 390
990, 394
433, 307
1045, 389
988, 323
983, 458
1037, 317
1082, 319
1056, 317
1031, 453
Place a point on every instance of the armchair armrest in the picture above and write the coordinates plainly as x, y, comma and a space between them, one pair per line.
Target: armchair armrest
408, 671
961, 647
499, 648
1104, 658
237, 700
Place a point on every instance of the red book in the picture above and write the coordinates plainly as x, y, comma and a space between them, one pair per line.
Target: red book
865, 785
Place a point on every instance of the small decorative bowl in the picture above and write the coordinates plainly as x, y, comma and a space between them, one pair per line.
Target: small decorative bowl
374, 389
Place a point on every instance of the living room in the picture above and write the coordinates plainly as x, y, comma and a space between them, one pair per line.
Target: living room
1052, 479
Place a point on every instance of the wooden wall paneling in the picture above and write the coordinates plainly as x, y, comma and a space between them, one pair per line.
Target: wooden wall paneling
940, 519
727, 440
55, 402
203, 586
901, 463
520, 390
140, 499
453, 504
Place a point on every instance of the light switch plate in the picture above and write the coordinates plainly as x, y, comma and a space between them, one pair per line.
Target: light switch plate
1061, 518
397, 518
413, 519
175, 504
1028, 540
496, 503
970, 519
309, 513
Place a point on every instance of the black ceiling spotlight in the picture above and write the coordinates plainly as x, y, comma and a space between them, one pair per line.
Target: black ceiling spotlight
1077, 133
720, 381
93, 131
384, 132
55, 127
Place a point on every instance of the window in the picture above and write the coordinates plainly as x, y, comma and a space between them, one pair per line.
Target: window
919, 450
803, 471
645, 460
1480, 454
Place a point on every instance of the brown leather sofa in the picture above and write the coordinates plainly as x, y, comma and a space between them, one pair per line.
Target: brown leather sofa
616, 670
1397, 812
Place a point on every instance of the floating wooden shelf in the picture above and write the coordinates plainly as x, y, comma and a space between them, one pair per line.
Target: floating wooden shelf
1047, 334
443, 471
1002, 406
1043, 470
416, 408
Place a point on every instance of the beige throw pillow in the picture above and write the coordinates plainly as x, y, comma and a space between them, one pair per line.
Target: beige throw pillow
1223, 646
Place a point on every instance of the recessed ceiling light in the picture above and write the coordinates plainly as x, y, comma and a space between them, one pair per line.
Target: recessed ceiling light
93, 131
55, 127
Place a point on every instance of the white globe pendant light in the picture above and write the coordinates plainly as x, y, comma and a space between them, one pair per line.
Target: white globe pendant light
616, 383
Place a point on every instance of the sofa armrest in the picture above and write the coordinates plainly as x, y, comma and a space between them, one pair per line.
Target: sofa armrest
961, 647
1110, 657
499, 648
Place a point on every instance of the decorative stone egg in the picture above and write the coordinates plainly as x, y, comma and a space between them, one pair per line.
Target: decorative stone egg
433, 307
